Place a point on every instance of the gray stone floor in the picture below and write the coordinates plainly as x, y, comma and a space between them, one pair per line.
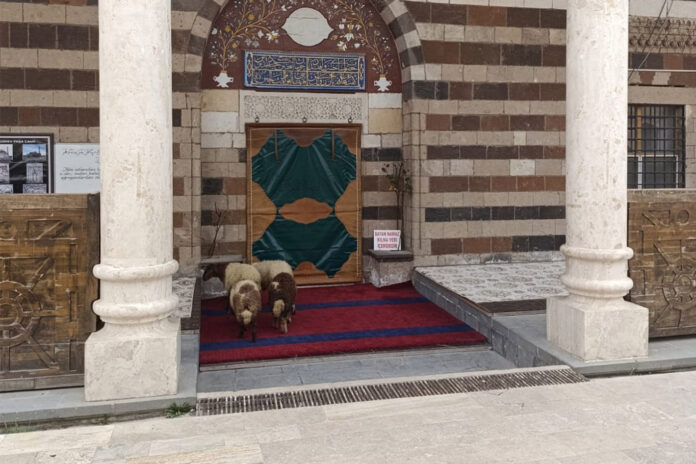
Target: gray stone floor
69, 403
344, 368
627, 420
528, 332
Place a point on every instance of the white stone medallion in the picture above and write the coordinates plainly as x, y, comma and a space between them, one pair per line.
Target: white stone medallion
308, 27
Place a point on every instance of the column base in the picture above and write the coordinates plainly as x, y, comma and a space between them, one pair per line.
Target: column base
133, 361
597, 330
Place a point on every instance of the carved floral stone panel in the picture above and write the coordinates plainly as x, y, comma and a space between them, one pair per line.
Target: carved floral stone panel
298, 107
347, 26
662, 35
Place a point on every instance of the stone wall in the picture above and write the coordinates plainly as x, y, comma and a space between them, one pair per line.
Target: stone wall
486, 125
49, 83
480, 121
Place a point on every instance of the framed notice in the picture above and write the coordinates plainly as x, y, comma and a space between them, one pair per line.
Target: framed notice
76, 168
26, 161
387, 240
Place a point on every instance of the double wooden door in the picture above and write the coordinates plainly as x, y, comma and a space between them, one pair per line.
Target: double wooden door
304, 199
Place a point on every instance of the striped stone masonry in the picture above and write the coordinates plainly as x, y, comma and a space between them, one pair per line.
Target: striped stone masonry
480, 122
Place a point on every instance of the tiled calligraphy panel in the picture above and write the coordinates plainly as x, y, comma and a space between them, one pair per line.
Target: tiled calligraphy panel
305, 71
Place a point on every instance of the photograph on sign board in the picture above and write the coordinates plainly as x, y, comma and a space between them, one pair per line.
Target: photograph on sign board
6, 188
34, 188
5, 152
4, 173
34, 152
35, 173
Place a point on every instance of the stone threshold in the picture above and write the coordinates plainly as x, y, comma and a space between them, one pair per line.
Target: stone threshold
521, 338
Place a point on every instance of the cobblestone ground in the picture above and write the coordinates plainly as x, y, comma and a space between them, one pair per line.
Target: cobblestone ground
635, 419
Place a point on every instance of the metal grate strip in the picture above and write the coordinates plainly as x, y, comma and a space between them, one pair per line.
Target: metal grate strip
410, 389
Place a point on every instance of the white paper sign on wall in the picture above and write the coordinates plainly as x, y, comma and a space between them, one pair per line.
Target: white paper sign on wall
76, 168
387, 240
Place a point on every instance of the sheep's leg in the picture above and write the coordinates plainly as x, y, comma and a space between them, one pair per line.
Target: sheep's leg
284, 325
253, 331
241, 330
275, 322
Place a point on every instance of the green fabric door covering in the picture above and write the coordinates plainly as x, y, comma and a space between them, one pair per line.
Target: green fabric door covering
292, 172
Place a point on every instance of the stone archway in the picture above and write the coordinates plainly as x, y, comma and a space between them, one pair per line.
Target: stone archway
222, 153
393, 13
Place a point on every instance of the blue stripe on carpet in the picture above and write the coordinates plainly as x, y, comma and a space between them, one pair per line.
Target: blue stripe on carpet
337, 304
329, 337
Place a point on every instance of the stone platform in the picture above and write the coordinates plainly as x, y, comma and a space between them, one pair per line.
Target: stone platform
506, 302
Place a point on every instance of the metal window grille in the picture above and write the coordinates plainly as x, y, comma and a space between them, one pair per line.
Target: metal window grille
655, 146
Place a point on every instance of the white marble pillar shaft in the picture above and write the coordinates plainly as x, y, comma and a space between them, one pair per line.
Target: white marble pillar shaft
594, 322
136, 354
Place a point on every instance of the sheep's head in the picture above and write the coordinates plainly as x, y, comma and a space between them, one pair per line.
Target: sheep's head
213, 270
278, 308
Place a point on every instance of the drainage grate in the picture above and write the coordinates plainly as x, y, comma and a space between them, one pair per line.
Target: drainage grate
386, 391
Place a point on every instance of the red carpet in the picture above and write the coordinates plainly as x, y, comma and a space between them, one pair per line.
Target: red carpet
330, 320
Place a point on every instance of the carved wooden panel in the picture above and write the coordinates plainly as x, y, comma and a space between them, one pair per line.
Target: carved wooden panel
662, 233
48, 245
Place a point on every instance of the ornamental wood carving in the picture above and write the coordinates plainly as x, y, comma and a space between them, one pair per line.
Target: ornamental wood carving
48, 246
662, 233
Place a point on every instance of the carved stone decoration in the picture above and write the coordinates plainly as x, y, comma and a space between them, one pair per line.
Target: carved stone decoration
307, 27
284, 107
663, 237
47, 250
669, 35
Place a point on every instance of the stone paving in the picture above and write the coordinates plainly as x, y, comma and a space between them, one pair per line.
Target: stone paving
485, 283
633, 419
351, 367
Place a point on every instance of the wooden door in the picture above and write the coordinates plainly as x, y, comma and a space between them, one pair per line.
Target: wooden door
304, 200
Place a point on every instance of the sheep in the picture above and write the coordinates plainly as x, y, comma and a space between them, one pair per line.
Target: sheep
235, 272
281, 296
269, 269
245, 299
230, 274
215, 270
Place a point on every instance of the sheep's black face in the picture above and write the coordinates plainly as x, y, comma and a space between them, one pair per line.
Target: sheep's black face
209, 272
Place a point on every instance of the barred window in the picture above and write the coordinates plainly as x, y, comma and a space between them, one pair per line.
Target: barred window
655, 146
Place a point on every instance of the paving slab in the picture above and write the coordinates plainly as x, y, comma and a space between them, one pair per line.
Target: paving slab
617, 420
344, 368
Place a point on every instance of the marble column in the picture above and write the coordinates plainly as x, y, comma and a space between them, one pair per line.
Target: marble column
594, 322
136, 353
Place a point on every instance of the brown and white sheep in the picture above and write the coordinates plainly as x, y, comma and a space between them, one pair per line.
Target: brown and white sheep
270, 269
230, 274
281, 296
245, 299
